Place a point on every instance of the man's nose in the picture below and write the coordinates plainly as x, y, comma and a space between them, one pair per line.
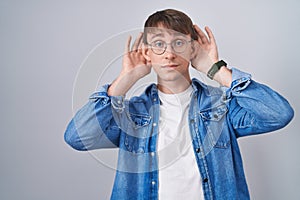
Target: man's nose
170, 53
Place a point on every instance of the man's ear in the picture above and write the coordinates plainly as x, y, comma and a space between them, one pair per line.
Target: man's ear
194, 49
145, 52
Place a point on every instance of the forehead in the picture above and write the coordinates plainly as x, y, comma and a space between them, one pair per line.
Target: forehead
153, 32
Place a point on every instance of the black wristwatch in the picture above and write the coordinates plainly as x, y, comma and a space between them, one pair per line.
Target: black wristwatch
215, 68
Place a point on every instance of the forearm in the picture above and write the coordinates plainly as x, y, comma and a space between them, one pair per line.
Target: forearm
121, 85
255, 108
224, 77
93, 126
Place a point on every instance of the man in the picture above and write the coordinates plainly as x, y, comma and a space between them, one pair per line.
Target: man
178, 140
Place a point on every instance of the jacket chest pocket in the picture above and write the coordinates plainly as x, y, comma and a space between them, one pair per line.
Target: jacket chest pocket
136, 135
214, 120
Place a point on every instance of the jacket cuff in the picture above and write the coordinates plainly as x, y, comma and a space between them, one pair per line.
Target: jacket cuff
101, 95
240, 80
117, 103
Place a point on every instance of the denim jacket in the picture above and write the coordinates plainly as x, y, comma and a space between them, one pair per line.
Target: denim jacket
217, 117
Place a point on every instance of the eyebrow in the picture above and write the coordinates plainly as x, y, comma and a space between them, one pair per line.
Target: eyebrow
162, 35
157, 35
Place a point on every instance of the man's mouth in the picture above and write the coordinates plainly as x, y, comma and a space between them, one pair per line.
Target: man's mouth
170, 66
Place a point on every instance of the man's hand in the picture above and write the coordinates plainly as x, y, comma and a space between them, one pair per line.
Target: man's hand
133, 60
134, 67
206, 54
206, 51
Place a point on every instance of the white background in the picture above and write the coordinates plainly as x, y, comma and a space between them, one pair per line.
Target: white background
43, 44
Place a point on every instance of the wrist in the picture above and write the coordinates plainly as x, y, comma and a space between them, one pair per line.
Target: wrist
121, 85
215, 67
220, 73
224, 76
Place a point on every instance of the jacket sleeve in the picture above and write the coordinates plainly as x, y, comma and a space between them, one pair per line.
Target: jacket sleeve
93, 126
255, 108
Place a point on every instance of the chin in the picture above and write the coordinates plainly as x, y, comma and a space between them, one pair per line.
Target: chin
170, 77
169, 74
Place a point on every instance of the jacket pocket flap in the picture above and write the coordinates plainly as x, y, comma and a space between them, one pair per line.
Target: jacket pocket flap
215, 113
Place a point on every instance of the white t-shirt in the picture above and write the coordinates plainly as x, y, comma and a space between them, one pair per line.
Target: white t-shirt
179, 176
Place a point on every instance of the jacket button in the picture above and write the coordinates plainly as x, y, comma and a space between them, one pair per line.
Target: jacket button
198, 150
205, 180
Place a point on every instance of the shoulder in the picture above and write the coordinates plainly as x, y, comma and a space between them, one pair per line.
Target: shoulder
149, 92
205, 89
145, 101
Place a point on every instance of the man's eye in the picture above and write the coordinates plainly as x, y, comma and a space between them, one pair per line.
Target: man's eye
159, 44
179, 43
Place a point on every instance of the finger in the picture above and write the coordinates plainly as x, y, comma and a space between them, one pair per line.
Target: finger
196, 28
149, 64
127, 45
137, 42
210, 35
202, 37
141, 42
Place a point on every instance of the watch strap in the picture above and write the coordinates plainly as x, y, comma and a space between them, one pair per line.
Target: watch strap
215, 68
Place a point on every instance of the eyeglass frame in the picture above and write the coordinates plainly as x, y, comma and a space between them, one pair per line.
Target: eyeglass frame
166, 45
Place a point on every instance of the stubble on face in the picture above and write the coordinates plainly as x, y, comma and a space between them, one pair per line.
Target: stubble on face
169, 66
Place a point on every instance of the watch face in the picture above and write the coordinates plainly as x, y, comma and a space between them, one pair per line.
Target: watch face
213, 70
221, 63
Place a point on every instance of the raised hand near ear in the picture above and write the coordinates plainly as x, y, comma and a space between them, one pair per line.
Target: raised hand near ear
206, 51
134, 67
133, 60
206, 54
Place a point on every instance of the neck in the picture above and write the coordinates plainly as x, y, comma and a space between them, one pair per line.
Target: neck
173, 87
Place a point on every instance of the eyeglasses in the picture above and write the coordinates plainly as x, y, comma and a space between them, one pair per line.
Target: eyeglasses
159, 46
